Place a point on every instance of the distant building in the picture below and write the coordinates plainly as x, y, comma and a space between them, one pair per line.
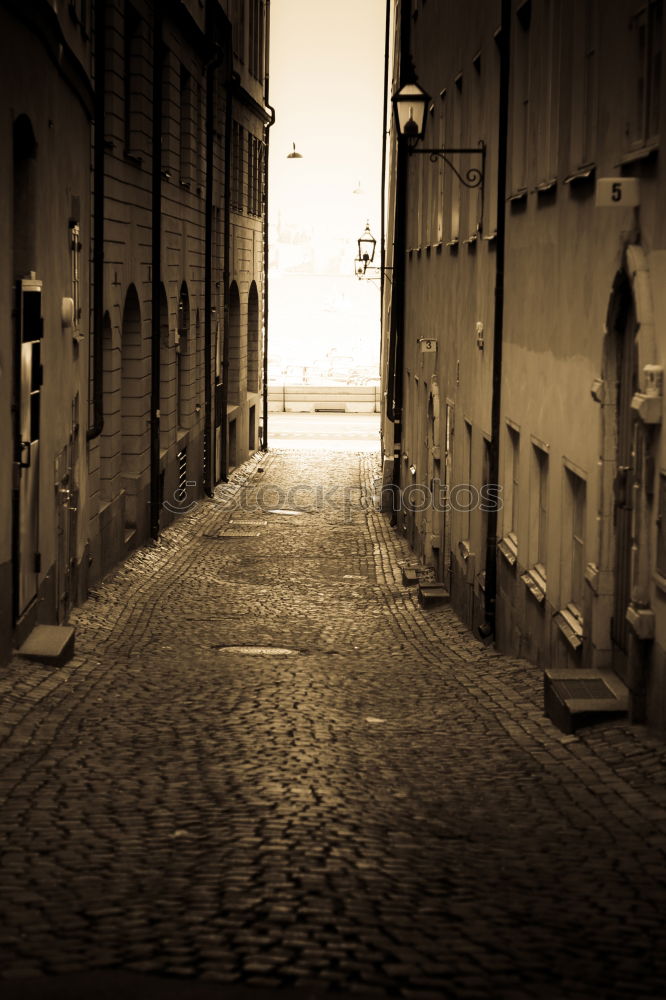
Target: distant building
576, 440
134, 212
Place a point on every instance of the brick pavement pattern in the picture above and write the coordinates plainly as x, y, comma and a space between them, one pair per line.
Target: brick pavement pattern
377, 806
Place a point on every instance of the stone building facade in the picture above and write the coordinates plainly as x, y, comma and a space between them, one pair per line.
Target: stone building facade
569, 412
134, 214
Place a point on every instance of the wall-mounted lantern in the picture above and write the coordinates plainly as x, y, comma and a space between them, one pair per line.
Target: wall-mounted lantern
410, 104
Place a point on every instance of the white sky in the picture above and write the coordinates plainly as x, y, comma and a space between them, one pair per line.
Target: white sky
326, 85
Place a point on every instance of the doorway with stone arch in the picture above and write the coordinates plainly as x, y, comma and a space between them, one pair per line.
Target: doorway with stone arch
134, 409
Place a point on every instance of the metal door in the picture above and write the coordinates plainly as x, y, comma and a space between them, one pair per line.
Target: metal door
625, 473
27, 407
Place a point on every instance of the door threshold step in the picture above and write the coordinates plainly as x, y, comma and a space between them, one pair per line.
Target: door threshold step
432, 594
50, 644
574, 698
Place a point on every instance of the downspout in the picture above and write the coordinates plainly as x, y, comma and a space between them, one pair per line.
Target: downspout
397, 328
488, 628
209, 449
264, 420
98, 225
224, 431
156, 276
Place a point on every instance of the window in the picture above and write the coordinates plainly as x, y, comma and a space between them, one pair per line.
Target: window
508, 545
575, 548
75, 256
238, 19
569, 619
520, 101
132, 56
470, 139
541, 483
512, 485
186, 115
255, 175
468, 481
535, 577
455, 133
547, 80
441, 142
661, 527
584, 87
257, 39
646, 27
237, 164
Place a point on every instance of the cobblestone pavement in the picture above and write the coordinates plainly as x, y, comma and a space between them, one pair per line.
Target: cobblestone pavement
383, 812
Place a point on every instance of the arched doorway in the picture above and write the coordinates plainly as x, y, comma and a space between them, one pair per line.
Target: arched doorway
622, 383
253, 351
624, 585
433, 551
133, 405
185, 358
236, 380
109, 442
167, 378
28, 332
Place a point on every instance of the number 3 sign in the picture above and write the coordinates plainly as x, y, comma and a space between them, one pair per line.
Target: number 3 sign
618, 192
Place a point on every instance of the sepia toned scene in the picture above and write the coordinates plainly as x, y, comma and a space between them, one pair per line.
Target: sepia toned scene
333, 483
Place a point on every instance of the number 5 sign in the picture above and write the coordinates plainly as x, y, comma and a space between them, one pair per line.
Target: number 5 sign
618, 192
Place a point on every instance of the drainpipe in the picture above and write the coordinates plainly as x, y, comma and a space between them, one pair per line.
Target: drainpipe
209, 445
396, 334
264, 420
232, 80
156, 275
98, 225
490, 605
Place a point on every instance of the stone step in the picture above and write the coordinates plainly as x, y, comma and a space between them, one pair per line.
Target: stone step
573, 698
50, 644
410, 576
432, 594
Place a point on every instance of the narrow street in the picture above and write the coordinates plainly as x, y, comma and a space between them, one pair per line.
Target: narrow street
359, 798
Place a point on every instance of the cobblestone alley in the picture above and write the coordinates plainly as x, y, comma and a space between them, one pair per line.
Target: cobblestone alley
377, 806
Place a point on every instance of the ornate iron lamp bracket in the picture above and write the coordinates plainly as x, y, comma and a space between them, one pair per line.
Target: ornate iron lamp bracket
473, 177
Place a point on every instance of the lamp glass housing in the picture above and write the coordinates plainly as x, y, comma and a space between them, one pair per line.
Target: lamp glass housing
410, 104
366, 245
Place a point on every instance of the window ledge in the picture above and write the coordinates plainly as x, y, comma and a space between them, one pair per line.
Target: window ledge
643, 153
581, 174
452, 243
660, 581
535, 583
519, 195
509, 548
592, 577
471, 240
570, 623
490, 236
133, 158
544, 186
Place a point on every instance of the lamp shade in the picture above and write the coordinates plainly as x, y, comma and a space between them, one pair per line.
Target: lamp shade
366, 245
410, 104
